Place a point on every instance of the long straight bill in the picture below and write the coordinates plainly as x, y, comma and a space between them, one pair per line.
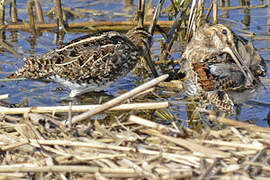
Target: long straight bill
241, 64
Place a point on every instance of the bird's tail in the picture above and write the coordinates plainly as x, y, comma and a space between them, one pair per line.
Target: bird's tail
27, 70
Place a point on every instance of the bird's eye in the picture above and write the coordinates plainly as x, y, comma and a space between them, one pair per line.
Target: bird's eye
224, 31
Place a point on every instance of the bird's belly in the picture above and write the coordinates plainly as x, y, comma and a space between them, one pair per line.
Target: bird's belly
190, 88
78, 88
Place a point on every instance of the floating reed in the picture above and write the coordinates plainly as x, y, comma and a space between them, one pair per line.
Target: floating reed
120, 99
81, 108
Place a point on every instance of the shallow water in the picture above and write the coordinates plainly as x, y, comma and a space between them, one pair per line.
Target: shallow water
48, 93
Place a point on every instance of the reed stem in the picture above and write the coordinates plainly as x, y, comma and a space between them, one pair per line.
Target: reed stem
13, 11
39, 12
59, 14
31, 17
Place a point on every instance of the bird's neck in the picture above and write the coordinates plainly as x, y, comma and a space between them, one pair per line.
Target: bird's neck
141, 39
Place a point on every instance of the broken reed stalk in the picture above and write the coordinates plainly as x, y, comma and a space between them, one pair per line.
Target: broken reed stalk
39, 12
30, 14
59, 13
215, 11
13, 11
119, 99
80, 108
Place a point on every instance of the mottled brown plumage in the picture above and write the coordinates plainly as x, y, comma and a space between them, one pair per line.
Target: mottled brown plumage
219, 65
89, 63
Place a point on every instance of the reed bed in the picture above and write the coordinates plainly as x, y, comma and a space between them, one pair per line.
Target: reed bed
132, 147
35, 143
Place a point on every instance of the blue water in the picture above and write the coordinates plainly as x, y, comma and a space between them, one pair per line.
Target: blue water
46, 93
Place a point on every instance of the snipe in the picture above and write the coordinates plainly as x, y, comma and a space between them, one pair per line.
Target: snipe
91, 62
221, 68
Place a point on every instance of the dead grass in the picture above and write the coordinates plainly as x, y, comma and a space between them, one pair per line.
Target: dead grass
131, 148
38, 145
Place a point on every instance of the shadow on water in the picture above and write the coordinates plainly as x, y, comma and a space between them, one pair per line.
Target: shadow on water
252, 18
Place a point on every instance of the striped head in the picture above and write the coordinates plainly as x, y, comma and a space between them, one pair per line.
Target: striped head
141, 38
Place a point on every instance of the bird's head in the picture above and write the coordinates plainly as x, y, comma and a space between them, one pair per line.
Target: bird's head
219, 39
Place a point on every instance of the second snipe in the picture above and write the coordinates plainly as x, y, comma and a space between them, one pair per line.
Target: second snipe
221, 68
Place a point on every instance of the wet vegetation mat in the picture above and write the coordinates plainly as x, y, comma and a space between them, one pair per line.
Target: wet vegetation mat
33, 146
37, 144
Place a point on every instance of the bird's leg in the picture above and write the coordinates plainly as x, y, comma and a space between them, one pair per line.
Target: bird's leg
238, 111
70, 114
151, 64
69, 119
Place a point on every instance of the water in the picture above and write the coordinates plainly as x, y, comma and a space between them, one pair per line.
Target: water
40, 93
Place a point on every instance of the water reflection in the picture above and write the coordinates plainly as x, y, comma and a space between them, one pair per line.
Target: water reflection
225, 3
128, 3
246, 12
